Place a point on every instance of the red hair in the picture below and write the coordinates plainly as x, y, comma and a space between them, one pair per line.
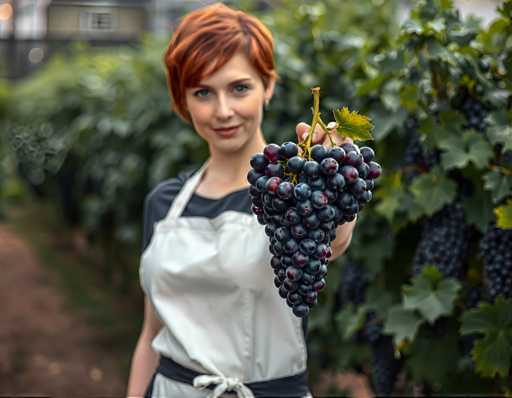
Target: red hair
214, 34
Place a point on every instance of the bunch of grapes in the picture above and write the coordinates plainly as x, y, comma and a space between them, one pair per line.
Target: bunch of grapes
417, 159
473, 110
301, 196
496, 251
352, 286
385, 367
444, 242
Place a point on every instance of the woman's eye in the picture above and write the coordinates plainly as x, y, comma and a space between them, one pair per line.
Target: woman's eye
201, 93
241, 88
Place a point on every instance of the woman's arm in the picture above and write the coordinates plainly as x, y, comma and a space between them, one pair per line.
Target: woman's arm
343, 238
145, 359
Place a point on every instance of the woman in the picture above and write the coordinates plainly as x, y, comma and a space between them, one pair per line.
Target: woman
214, 321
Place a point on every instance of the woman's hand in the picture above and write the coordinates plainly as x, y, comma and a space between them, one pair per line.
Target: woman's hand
319, 136
344, 231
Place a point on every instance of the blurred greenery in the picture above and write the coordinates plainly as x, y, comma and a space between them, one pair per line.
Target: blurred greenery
92, 133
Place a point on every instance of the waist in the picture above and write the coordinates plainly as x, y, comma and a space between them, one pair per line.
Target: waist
290, 386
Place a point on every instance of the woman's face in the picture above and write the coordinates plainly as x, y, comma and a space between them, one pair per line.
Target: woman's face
226, 107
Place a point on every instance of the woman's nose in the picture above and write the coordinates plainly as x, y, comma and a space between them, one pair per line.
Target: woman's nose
224, 108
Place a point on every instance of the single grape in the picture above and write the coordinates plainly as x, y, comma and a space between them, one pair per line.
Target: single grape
258, 163
329, 166
318, 152
311, 169
293, 274
288, 150
295, 164
368, 153
274, 170
285, 190
271, 152
350, 173
375, 170
302, 191
337, 153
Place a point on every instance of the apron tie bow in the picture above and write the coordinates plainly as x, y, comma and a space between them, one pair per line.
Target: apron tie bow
223, 384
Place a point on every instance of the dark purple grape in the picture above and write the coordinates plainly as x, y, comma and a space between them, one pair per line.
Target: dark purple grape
375, 170
307, 246
348, 147
256, 210
366, 196
270, 230
272, 185
298, 231
370, 184
290, 286
283, 291
353, 158
291, 246
301, 310
302, 191
279, 205
313, 266
368, 153
363, 170
336, 182
329, 166
293, 274
350, 173
295, 164
311, 169
326, 214
317, 184
311, 221
288, 150
318, 152
319, 199
281, 274
337, 153
331, 195
318, 285
252, 176
305, 208
358, 187
311, 297
282, 234
271, 152
321, 251
277, 282
294, 298
316, 234
261, 184
285, 190
274, 170
299, 259
258, 162
322, 271
292, 216
308, 279
275, 262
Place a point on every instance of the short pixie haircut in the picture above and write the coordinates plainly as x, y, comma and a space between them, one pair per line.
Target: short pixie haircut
214, 34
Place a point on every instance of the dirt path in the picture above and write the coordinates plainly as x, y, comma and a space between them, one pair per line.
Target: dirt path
45, 349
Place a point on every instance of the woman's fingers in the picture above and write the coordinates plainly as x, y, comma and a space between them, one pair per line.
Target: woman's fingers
302, 130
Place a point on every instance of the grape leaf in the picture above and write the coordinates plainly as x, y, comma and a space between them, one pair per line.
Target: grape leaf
424, 352
504, 215
478, 209
459, 151
350, 321
353, 125
499, 184
433, 190
502, 135
492, 353
402, 324
430, 294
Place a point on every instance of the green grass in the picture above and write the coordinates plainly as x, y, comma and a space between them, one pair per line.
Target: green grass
115, 317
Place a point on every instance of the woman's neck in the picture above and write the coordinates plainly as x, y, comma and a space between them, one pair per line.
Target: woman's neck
228, 172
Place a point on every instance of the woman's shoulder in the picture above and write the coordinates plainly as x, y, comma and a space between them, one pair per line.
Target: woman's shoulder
165, 191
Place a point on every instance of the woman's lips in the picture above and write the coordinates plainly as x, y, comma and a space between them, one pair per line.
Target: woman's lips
227, 132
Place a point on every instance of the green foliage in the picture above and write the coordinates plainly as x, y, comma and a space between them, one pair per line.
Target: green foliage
493, 351
105, 118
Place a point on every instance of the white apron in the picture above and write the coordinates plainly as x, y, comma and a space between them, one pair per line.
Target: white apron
211, 284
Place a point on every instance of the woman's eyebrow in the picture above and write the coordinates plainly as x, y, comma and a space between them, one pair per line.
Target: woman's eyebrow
237, 81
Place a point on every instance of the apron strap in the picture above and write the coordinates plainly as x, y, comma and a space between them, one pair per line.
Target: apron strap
180, 202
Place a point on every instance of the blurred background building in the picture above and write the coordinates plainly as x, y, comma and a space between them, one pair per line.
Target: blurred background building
32, 30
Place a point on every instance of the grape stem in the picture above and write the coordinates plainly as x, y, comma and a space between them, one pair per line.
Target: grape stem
316, 120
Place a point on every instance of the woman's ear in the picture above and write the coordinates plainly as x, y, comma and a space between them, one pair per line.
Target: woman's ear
269, 90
